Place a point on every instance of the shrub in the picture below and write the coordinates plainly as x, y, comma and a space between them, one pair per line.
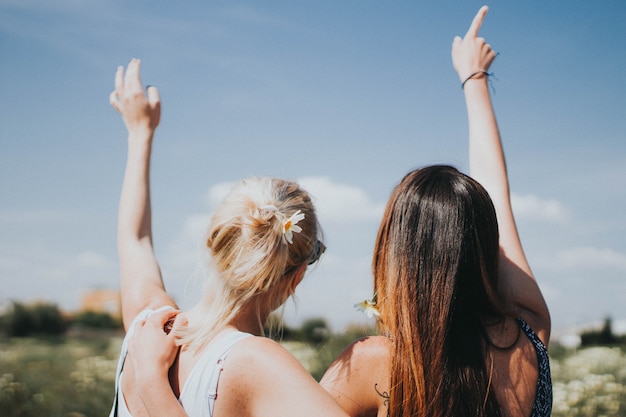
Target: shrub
97, 320
36, 319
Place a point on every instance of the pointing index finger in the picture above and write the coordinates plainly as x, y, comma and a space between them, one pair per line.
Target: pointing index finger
477, 22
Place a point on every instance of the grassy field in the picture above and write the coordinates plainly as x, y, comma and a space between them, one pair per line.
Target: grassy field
74, 377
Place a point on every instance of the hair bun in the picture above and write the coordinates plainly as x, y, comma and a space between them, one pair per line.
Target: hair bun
265, 213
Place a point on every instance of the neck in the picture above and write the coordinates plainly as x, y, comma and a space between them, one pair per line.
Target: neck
251, 319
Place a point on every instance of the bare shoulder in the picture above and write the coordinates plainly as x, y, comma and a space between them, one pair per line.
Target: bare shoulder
262, 352
371, 347
259, 372
367, 349
359, 378
366, 355
257, 360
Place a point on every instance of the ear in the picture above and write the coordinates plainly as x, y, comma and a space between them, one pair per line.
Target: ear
297, 278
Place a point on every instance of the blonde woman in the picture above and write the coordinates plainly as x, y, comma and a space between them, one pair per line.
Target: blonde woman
464, 325
212, 360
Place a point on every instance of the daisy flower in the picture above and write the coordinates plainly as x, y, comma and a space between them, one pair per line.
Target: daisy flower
291, 225
368, 307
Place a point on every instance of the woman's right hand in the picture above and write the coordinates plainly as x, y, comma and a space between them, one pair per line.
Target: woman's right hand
151, 352
471, 53
141, 113
153, 348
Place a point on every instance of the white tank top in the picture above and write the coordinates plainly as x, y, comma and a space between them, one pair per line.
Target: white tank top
200, 389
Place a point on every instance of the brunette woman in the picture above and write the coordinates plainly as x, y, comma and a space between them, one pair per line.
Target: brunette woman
464, 326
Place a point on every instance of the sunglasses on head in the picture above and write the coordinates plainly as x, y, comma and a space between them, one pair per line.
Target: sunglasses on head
319, 249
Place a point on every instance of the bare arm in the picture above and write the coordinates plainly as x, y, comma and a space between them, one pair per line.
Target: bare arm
487, 165
141, 282
151, 353
271, 382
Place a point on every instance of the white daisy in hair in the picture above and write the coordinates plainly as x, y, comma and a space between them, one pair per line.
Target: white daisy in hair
291, 225
368, 307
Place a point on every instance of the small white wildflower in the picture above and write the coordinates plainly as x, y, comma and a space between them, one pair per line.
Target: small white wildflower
290, 226
368, 307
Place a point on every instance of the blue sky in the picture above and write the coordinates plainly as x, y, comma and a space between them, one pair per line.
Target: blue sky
345, 96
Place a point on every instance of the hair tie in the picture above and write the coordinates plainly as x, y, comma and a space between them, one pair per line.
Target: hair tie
269, 207
265, 212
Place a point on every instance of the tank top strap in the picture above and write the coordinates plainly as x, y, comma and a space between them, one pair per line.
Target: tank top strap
201, 387
219, 367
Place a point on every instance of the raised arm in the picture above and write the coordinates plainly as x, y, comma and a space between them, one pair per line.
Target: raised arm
141, 282
471, 57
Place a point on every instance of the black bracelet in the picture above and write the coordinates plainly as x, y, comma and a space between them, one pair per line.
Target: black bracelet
487, 74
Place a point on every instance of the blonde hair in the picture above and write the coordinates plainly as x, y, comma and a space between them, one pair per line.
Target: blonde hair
249, 254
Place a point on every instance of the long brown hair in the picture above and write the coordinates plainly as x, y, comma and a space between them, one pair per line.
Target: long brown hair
435, 276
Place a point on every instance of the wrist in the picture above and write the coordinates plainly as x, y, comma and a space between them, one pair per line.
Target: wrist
152, 375
141, 131
476, 75
140, 137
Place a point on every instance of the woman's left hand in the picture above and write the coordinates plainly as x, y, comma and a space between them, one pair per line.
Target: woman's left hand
471, 53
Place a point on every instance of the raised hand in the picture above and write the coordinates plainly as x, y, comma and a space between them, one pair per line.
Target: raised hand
141, 113
471, 54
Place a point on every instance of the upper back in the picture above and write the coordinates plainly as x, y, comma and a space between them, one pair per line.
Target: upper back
199, 374
261, 378
359, 379
521, 374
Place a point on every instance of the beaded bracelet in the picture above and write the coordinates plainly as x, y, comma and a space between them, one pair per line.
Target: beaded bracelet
487, 74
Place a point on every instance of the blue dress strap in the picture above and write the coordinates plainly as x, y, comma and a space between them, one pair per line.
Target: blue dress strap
542, 406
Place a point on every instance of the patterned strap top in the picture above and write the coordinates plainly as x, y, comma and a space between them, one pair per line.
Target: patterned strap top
543, 398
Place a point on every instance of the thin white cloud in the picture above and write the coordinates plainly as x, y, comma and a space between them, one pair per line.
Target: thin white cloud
343, 202
217, 193
40, 272
532, 207
183, 253
333, 200
587, 257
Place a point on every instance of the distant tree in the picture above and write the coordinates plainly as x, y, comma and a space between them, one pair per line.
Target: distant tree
97, 320
315, 330
49, 320
20, 321
602, 337
276, 329
36, 319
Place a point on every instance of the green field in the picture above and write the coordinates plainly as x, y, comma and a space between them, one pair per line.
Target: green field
74, 376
